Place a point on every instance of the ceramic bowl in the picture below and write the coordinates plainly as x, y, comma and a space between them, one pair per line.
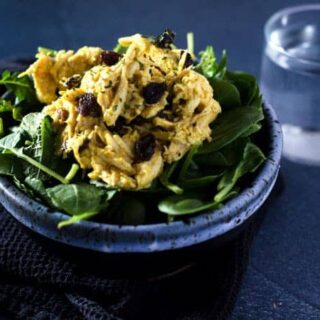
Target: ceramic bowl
161, 237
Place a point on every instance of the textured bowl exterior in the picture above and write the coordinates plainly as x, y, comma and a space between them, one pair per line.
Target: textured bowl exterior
155, 237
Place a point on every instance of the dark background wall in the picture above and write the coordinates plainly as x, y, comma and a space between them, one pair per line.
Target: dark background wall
236, 25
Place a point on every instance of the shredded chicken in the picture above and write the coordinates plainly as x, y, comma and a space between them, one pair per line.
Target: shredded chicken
148, 92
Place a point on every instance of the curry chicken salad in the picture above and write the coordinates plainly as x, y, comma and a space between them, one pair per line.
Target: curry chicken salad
124, 116
145, 122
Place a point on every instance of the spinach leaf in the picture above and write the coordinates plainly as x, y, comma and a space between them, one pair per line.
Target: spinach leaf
35, 147
21, 87
187, 162
231, 125
166, 175
252, 159
13, 140
190, 42
5, 105
120, 49
19, 154
48, 52
75, 219
185, 204
39, 127
208, 65
201, 182
78, 199
251, 130
10, 165
37, 186
226, 93
226, 156
246, 84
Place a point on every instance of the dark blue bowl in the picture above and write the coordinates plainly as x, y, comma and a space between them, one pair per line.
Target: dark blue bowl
162, 237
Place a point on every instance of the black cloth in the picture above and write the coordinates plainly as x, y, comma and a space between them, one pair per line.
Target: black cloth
38, 283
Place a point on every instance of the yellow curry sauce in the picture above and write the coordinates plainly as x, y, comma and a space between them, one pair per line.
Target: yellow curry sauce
123, 117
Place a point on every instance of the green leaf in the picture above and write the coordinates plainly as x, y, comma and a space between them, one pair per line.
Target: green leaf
120, 49
72, 172
231, 125
78, 199
5, 105
252, 129
21, 87
48, 52
246, 84
222, 66
166, 175
187, 162
10, 165
185, 204
37, 186
197, 183
190, 42
40, 133
226, 93
207, 64
39, 148
226, 156
252, 159
75, 219
19, 153
13, 140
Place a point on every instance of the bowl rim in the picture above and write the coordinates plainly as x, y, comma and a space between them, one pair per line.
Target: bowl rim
160, 236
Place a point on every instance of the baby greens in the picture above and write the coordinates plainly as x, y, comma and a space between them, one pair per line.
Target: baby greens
207, 176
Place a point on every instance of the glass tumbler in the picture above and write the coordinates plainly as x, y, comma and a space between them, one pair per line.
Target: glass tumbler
290, 78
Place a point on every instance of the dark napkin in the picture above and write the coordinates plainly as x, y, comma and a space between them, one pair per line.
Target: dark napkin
39, 283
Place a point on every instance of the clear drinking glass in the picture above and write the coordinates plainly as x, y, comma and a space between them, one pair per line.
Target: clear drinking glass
290, 78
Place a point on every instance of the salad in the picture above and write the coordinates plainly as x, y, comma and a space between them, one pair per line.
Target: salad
141, 134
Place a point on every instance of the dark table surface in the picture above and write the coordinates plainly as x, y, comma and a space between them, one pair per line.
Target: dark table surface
283, 278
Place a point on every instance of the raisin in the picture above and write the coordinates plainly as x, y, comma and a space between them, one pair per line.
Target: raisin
165, 39
110, 57
153, 92
188, 62
118, 127
73, 82
88, 106
144, 148
138, 121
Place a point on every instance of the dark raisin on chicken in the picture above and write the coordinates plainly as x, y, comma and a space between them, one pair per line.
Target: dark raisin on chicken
88, 106
153, 92
119, 127
165, 39
73, 82
188, 62
138, 121
144, 148
110, 57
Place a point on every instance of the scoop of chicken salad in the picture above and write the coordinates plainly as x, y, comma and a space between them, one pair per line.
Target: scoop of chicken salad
143, 129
